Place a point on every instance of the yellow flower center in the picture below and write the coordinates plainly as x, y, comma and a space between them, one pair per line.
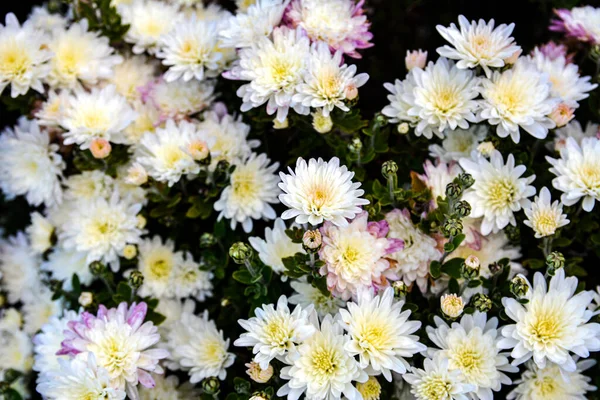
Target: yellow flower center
159, 264
14, 61
370, 390
436, 388
277, 333
318, 196
545, 328
546, 386
325, 362
590, 174
501, 193
151, 28
244, 184
446, 100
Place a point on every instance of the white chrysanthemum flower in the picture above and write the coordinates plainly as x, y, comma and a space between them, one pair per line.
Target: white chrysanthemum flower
443, 97
401, 101
437, 177
29, 165
163, 152
48, 342
320, 190
157, 262
437, 382
38, 309
23, 56
380, 333
19, 268
551, 383
307, 295
543, 216
121, 342
99, 114
169, 388
41, 18
552, 324
79, 378
578, 172
256, 22
203, 350
88, 185
11, 319
321, 368
79, 57
51, 112
274, 68
40, 233
275, 246
328, 82
132, 75
251, 191
190, 50
16, 351
180, 99
459, 143
470, 346
564, 77
419, 249
101, 228
518, 98
499, 190
478, 44
228, 137
147, 120
275, 331
575, 130
191, 281
400, 98
148, 21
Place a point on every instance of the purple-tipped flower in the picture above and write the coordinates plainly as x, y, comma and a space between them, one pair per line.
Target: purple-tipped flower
580, 23
339, 23
554, 50
121, 342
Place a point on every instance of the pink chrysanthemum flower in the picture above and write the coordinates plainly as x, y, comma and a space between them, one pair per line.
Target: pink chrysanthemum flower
554, 50
581, 23
355, 256
339, 23
121, 342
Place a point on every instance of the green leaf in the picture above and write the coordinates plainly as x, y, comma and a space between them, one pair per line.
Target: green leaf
76, 284
449, 247
458, 240
12, 394
124, 290
243, 276
453, 267
241, 386
474, 283
534, 263
435, 269
453, 286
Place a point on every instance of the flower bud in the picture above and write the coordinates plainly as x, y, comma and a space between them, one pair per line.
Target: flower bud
355, 146
260, 396
466, 180
312, 240
495, 268
85, 299
463, 208
136, 279
513, 233
100, 148
519, 286
471, 267
211, 385
136, 175
351, 91
415, 59
321, 123
403, 128
481, 302
141, 221
370, 390
130, 251
222, 167
207, 240
389, 168
510, 60
400, 289
97, 268
554, 261
281, 124
240, 252
257, 374
562, 114
486, 148
452, 305
452, 227
453, 190
198, 150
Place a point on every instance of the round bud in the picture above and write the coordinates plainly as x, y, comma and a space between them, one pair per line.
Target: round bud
355, 146
257, 374
519, 286
555, 260
481, 302
471, 267
130, 251
452, 305
452, 227
100, 148
136, 279
495, 268
211, 385
453, 190
400, 289
321, 123
466, 180
403, 128
86, 299
240, 252
312, 240
97, 268
207, 240
463, 208
389, 168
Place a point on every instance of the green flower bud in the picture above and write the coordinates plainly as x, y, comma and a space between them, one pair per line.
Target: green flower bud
452, 227
381, 120
240, 252
466, 180
481, 302
211, 385
554, 261
136, 279
519, 286
400, 289
513, 233
355, 146
495, 268
471, 267
463, 208
97, 268
207, 240
453, 190
389, 168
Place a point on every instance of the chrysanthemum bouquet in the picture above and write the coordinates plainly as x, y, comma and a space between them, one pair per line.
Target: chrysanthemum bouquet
196, 204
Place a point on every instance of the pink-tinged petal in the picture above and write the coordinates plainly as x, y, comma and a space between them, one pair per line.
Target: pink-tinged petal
137, 314
146, 379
